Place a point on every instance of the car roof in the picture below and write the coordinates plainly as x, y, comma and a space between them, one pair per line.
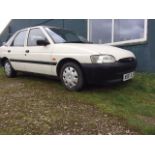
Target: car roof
44, 26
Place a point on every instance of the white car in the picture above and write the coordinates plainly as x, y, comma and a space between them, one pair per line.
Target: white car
62, 53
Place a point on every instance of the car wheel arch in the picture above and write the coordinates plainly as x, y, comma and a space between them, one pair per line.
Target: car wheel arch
3, 60
65, 60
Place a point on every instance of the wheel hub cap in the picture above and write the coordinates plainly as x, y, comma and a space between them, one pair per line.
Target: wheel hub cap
7, 68
70, 77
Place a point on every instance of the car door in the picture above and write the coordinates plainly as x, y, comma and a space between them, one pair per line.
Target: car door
38, 57
16, 51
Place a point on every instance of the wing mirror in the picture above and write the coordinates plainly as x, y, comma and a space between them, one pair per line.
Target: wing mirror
42, 42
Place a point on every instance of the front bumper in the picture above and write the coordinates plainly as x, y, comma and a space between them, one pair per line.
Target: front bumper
100, 73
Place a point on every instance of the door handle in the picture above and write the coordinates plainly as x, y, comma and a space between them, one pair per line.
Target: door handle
27, 51
9, 51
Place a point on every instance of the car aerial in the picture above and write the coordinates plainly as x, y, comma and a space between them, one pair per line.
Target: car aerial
62, 53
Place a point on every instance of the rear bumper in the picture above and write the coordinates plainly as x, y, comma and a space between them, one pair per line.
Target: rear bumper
100, 73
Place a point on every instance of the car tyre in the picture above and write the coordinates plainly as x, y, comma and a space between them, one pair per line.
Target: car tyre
9, 71
71, 76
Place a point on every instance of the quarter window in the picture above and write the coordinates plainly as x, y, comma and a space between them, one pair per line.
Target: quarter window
34, 35
19, 39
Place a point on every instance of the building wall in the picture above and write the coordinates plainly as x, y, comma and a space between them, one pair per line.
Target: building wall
77, 25
145, 52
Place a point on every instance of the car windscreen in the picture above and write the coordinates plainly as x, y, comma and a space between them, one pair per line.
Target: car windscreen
65, 36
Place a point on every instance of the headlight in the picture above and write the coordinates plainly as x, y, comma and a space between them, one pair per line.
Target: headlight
102, 59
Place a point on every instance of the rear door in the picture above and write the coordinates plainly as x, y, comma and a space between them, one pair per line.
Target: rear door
16, 51
39, 58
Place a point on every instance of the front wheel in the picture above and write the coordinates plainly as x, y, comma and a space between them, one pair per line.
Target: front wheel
9, 71
71, 76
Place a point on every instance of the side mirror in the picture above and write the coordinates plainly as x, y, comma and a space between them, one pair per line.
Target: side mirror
42, 42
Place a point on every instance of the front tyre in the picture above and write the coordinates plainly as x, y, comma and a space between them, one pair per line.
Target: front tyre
71, 76
9, 71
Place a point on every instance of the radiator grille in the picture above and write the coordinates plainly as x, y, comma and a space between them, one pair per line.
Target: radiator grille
126, 60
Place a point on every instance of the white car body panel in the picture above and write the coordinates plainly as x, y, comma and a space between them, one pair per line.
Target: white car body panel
54, 53
92, 49
42, 54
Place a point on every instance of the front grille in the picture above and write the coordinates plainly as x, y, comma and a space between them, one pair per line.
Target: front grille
126, 60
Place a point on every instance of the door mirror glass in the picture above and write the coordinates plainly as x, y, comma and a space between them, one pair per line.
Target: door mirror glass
42, 42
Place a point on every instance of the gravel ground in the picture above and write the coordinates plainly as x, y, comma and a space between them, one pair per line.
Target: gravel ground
36, 105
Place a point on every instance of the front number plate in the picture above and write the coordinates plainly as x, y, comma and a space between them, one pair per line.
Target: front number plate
128, 76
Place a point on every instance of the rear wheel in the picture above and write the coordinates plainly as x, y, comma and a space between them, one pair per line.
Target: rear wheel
71, 76
9, 71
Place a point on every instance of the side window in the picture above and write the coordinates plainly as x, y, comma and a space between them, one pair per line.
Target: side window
19, 39
34, 35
